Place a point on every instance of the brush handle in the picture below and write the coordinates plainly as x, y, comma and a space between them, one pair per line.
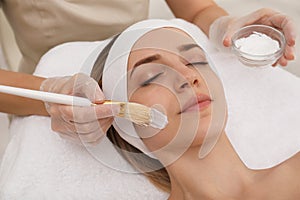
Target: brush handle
157, 120
46, 96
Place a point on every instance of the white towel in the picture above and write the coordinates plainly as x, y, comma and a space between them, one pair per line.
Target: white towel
263, 111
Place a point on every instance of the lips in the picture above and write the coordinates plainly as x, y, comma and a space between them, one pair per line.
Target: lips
197, 104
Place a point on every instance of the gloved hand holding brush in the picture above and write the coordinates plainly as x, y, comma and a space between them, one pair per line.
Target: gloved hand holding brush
85, 124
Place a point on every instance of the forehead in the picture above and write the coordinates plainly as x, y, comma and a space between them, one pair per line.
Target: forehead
163, 38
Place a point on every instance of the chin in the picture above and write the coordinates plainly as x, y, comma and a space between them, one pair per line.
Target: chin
203, 127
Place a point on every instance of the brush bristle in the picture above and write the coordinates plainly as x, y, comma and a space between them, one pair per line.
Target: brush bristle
143, 115
137, 113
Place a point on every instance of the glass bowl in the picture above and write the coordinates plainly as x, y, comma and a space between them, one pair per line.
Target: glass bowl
262, 53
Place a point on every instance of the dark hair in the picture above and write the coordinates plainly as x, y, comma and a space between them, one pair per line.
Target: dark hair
151, 168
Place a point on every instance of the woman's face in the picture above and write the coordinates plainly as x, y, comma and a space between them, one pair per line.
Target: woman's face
167, 70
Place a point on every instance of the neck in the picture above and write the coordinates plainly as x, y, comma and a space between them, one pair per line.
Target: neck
192, 178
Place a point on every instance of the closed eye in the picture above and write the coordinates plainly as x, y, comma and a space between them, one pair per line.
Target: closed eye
196, 63
147, 82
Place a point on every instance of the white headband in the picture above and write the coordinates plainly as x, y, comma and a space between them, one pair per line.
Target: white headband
115, 70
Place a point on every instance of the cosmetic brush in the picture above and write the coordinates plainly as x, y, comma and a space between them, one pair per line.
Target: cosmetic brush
137, 113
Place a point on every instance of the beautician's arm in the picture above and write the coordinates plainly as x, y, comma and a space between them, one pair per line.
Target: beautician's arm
200, 12
79, 124
18, 105
213, 21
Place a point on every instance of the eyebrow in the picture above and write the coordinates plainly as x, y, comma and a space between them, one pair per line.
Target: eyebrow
148, 59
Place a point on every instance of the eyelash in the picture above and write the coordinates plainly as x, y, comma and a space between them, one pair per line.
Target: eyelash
147, 82
197, 63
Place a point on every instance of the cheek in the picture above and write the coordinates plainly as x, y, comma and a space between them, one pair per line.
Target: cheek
158, 97
162, 98
190, 127
181, 133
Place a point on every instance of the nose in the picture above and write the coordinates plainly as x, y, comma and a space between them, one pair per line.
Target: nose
188, 80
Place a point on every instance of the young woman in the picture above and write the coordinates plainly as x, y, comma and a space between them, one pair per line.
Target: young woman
177, 78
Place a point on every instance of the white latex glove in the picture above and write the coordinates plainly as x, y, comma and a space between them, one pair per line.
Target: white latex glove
223, 28
79, 124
